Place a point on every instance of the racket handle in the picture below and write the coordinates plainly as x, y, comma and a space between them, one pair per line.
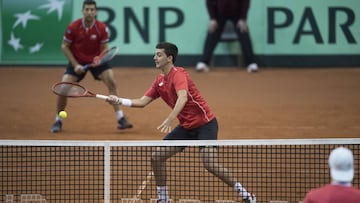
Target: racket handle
100, 96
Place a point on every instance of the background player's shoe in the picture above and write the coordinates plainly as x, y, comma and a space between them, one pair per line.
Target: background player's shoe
56, 127
124, 124
252, 68
162, 201
250, 199
202, 67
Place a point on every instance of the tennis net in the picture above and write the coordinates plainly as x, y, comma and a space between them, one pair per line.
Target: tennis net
120, 171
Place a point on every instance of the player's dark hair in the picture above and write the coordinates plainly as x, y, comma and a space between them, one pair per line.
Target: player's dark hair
169, 49
89, 2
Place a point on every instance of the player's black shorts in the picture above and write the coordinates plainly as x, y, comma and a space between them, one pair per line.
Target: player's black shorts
208, 131
94, 71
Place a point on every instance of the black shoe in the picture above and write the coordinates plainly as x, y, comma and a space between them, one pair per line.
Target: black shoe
56, 127
163, 201
124, 124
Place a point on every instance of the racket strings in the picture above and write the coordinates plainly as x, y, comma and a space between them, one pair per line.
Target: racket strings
108, 55
69, 90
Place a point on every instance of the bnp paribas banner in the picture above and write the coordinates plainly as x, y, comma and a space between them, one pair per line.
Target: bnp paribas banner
283, 27
32, 30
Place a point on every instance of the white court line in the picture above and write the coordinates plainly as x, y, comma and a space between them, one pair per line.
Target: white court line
283, 127
189, 200
129, 200
290, 127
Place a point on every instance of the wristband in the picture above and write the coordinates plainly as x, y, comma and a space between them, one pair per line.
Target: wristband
126, 102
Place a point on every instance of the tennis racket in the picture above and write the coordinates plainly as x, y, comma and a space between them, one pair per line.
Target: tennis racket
104, 57
69, 89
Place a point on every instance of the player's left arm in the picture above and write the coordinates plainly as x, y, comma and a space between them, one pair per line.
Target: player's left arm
165, 127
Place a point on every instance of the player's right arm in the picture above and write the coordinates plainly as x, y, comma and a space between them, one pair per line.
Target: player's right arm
140, 102
65, 47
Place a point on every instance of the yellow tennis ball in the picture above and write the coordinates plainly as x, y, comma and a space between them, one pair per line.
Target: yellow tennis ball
62, 114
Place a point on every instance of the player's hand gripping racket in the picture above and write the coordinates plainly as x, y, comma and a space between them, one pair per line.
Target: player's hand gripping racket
69, 89
104, 57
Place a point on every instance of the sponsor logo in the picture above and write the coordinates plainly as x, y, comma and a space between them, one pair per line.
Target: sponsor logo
34, 29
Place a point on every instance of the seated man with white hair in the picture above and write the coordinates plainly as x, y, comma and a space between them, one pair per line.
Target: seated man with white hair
341, 163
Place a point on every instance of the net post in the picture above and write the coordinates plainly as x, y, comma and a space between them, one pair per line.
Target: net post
107, 172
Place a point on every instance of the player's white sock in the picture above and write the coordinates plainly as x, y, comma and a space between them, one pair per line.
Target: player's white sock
241, 190
119, 114
162, 192
57, 118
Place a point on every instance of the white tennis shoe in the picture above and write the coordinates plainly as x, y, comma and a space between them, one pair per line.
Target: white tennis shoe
202, 67
252, 68
250, 199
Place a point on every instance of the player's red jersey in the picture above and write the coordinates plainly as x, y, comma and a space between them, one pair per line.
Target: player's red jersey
196, 111
85, 43
333, 194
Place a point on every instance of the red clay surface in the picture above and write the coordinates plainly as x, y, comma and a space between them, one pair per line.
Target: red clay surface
274, 103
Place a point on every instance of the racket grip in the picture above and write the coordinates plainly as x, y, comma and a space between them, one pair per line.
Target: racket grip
100, 96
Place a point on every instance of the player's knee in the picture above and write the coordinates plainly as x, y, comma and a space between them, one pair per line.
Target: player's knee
112, 84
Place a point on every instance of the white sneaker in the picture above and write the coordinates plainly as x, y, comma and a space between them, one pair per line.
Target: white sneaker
202, 67
250, 199
252, 68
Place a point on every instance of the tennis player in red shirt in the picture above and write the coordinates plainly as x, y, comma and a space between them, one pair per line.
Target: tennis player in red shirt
196, 121
340, 190
85, 39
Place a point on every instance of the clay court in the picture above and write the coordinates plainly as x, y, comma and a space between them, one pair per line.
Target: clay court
274, 103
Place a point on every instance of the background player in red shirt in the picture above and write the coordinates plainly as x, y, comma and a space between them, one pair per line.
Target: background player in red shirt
341, 163
197, 122
85, 39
